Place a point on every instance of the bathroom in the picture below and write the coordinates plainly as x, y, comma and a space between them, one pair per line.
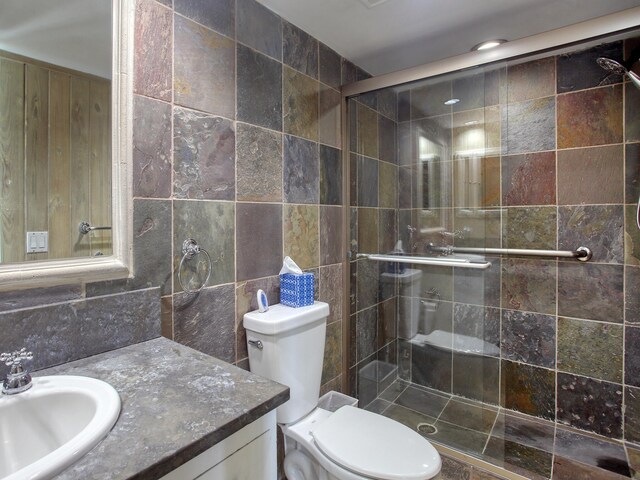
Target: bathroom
232, 114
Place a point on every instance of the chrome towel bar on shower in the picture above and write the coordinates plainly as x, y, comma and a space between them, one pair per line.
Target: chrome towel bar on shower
583, 254
438, 261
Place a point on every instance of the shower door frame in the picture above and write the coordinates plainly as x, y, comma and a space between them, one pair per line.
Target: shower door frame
589, 30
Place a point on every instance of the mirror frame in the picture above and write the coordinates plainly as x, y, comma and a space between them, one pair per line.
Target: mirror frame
16, 276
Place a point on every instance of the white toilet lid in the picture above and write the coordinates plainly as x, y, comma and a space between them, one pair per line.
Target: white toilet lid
375, 446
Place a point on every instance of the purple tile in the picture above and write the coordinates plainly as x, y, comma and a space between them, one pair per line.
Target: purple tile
259, 229
153, 50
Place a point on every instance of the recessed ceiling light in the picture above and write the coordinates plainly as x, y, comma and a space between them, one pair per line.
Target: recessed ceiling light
488, 44
452, 101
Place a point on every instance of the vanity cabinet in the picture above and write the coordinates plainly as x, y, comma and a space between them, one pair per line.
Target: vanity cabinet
248, 454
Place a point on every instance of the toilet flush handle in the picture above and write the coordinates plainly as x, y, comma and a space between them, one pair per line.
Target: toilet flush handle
256, 343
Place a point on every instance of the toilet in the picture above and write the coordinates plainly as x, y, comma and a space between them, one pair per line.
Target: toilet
287, 345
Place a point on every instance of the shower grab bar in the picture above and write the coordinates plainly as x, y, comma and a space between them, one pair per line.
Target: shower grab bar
583, 254
440, 261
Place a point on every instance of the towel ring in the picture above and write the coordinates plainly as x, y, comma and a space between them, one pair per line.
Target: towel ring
190, 249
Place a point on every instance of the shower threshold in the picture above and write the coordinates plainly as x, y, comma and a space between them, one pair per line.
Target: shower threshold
531, 447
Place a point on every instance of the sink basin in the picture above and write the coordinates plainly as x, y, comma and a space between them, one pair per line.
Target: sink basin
54, 423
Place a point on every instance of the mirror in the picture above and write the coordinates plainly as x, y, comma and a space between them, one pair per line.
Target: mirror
65, 142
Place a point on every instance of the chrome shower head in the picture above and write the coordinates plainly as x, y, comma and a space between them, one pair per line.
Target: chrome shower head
616, 68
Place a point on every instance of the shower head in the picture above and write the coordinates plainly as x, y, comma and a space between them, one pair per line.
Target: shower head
616, 68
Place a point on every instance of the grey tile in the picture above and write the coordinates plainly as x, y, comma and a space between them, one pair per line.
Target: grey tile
428, 100
590, 291
479, 287
431, 367
476, 377
151, 148
632, 299
301, 171
204, 69
259, 28
153, 50
529, 338
476, 322
579, 70
299, 50
600, 227
631, 235
367, 280
64, 332
259, 99
566, 469
470, 90
388, 103
15, 299
631, 117
525, 430
204, 149
404, 106
632, 173
590, 348
206, 322
265, 219
590, 404
422, 401
331, 291
152, 245
330, 176
459, 438
632, 356
387, 130
259, 164
387, 229
591, 451
529, 126
330, 71
378, 406
522, 459
218, 15
211, 224
632, 414
533, 79
332, 364
366, 333
454, 470
349, 74
473, 416
529, 285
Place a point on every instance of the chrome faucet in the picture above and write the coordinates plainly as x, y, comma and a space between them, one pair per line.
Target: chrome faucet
18, 379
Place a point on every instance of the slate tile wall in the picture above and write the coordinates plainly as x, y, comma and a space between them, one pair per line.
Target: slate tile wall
236, 144
561, 169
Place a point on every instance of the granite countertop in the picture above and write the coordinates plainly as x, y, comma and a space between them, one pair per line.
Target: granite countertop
176, 403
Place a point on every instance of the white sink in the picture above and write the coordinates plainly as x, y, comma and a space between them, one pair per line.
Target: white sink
54, 423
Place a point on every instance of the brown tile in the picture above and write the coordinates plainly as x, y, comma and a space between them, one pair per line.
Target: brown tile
528, 389
301, 240
590, 117
329, 117
166, 316
591, 175
530, 227
529, 179
367, 230
330, 235
367, 128
531, 80
631, 236
259, 229
300, 106
387, 185
332, 364
204, 69
565, 469
529, 285
331, 281
153, 50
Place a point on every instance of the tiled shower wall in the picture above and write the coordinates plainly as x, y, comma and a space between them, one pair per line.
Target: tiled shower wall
561, 169
236, 144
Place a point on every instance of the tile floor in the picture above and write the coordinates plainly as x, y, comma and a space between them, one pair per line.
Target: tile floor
529, 446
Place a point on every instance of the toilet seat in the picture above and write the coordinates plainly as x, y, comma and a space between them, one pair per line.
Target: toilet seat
375, 446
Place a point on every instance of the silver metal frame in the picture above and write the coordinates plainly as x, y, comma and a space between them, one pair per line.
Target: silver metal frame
583, 254
436, 261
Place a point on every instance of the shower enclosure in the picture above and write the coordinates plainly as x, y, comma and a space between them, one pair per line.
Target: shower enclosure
492, 244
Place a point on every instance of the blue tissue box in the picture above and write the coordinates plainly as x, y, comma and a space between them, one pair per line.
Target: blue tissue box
296, 290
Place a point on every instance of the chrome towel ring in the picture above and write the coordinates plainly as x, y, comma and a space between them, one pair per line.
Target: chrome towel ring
190, 249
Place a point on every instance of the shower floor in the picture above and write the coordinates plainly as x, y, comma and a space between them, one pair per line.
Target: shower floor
529, 446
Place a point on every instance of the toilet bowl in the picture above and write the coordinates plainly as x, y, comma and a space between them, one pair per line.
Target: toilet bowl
287, 345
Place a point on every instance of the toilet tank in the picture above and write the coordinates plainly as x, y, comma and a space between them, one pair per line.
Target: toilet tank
292, 353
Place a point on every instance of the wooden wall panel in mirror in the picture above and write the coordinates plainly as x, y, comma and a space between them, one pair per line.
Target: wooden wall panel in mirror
56, 139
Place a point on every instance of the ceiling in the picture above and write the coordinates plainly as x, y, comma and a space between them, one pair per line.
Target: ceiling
399, 34
71, 33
